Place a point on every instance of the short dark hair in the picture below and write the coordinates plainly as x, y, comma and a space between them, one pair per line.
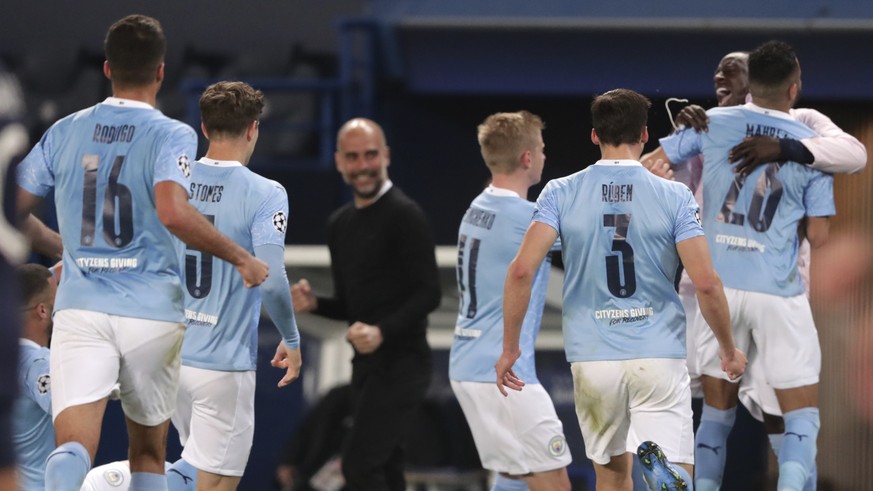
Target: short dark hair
619, 116
772, 67
229, 107
135, 46
33, 279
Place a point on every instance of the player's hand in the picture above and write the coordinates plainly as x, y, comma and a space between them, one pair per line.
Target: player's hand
733, 363
660, 168
57, 270
302, 297
754, 151
253, 270
290, 360
693, 116
506, 377
364, 337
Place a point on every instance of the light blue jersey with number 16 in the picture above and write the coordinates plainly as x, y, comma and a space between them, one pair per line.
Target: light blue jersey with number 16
103, 163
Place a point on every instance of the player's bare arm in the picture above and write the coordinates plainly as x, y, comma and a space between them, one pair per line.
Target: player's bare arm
185, 222
537, 243
695, 257
42, 239
817, 231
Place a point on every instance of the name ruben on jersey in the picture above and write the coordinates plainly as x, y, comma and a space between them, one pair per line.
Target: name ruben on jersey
107, 264
623, 316
200, 319
617, 193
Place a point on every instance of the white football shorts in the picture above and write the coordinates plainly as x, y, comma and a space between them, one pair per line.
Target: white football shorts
516, 435
95, 355
755, 393
784, 335
215, 418
622, 403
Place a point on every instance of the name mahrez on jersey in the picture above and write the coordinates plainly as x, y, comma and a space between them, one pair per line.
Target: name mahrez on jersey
107, 264
480, 218
763, 130
619, 316
112, 134
206, 192
617, 193
200, 319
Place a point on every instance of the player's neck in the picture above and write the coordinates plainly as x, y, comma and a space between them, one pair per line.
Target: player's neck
36, 333
227, 150
765, 103
147, 94
625, 151
514, 182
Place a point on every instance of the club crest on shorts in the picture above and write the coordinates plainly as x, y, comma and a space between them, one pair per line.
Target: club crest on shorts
557, 445
184, 165
44, 384
280, 222
114, 477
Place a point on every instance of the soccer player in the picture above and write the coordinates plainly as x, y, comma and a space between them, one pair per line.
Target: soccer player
13, 250
114, 476
215, 408
386, 283
752, 220
830, 150
32, 430
120, 172
623, 232
535, 451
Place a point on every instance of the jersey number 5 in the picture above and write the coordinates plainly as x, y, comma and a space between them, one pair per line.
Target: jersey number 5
117, 205
198, 285
620, 276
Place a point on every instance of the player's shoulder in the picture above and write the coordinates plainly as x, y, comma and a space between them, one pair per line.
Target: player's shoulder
163, 124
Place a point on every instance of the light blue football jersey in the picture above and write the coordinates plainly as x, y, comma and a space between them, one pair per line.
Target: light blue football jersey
223, 314
32, 432
619, 225
488, 240
104, 162
751, 222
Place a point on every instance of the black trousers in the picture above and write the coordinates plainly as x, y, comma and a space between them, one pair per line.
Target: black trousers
386, 392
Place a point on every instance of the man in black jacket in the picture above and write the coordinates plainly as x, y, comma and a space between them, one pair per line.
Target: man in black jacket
385, 284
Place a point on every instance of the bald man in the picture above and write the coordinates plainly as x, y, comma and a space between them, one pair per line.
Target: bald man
385, 285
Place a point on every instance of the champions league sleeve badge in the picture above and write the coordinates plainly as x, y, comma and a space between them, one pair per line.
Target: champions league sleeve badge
184, 166
44, 384
280, 221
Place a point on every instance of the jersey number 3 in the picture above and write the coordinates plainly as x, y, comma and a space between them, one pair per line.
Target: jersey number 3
620, 276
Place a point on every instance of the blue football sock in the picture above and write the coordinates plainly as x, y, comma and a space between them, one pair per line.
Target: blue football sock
182, 476
797, 456
812, 480
502, 483
66, 467
711, 446
145, 481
